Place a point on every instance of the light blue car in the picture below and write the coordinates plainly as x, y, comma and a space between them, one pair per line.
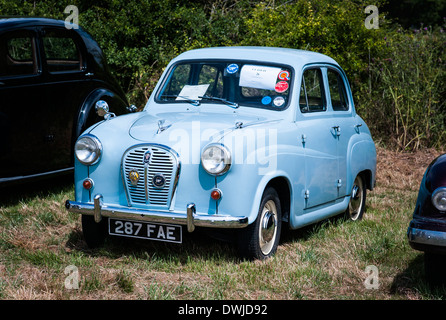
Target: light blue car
243, 138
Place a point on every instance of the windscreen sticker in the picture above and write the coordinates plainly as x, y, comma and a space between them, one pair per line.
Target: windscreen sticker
259, 77
192, 92
284, 75
279, 101
281, 86
232, 68
266, 100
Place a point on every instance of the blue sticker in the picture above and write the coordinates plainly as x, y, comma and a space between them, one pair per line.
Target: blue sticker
232, 68
266, 100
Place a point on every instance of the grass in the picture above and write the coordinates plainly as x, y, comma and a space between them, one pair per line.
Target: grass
39, 239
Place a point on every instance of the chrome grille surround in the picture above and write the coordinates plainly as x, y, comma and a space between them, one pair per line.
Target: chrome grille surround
163, 161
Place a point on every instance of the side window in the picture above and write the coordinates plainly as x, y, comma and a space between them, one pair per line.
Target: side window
18, 54
312, 98
338, 93
61, 51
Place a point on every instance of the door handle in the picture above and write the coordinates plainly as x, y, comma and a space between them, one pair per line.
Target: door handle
337, 130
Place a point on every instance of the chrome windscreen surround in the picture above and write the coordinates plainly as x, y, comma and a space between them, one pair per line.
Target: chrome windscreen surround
150, 174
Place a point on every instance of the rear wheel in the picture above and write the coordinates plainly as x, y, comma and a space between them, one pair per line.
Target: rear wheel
356, 206
261, 238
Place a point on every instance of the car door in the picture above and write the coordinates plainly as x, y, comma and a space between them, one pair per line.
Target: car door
21, 102
66, 86
319, 140
343, 121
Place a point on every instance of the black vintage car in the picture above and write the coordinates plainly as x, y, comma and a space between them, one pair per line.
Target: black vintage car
427, 230
50, 80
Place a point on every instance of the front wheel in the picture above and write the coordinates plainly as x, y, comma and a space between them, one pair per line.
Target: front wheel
261, 238
356, 206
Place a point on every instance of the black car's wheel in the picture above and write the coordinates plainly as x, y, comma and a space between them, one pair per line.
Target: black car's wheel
94, 233
261, 238
356, 206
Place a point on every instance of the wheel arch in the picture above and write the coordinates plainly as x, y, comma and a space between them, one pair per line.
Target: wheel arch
362, 161
283, 188
86, 115
86, 111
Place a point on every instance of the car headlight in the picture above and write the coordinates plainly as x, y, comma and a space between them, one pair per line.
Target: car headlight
216, 159
439, 199
88, 149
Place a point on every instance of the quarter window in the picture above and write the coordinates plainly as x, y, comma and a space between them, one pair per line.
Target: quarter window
61, 52
312, 97
338, 93
18, 54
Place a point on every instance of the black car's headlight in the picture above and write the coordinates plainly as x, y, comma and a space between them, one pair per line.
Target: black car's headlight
439, 199
216, 159
88, 149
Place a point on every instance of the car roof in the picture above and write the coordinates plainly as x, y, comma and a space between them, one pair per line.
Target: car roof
6, 22
293, 57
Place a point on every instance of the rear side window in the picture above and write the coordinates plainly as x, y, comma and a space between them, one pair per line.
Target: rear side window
338, 94
312, 98
18, 54
61, 51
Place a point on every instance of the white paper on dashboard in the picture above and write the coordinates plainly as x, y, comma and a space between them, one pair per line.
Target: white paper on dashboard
192, 92
259, 77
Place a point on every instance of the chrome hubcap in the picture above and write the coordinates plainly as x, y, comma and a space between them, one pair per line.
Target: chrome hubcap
268, 227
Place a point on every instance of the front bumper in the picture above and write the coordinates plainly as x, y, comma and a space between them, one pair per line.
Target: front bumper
191, 218
424, 237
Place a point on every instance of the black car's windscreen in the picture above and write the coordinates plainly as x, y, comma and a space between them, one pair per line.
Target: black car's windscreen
242, 83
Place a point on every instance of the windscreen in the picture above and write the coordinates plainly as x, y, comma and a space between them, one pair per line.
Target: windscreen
234, 83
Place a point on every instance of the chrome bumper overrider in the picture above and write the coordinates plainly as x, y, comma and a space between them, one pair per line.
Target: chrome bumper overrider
191, 218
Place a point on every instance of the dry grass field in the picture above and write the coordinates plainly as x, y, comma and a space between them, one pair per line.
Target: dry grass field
43, 255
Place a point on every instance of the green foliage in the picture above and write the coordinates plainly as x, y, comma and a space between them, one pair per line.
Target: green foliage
406, 98
335, 28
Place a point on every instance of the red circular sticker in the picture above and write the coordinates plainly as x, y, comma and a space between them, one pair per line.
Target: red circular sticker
281, 86
284, 75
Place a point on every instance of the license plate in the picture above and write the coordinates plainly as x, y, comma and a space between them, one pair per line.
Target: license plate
145, 230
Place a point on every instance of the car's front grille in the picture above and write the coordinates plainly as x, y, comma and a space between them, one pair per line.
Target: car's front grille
163, 165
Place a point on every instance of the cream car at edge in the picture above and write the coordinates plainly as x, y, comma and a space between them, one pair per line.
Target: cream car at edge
244, 140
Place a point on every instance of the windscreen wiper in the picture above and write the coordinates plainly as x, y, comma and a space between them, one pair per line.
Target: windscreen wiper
229, 103
191, 101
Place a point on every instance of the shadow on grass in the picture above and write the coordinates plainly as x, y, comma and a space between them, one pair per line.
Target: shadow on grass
312, 230
413, 279
203, 244
195, 246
